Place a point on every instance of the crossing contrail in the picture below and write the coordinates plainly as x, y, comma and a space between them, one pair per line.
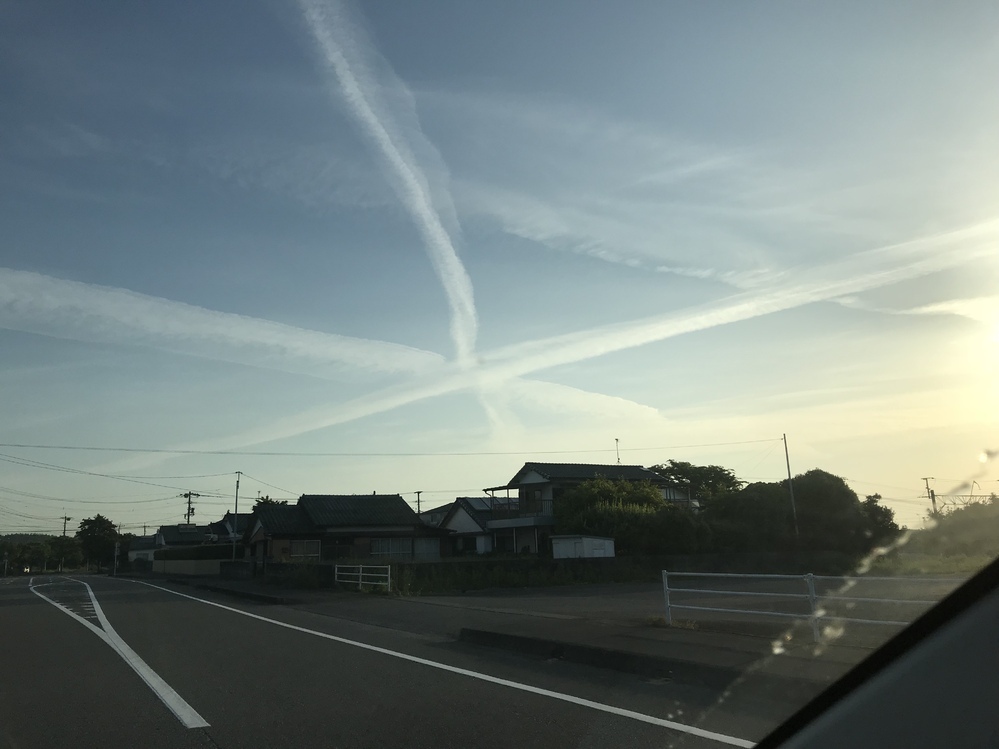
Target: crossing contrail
343, 50
869, 270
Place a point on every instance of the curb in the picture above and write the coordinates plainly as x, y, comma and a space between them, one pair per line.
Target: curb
676, 670
245, 594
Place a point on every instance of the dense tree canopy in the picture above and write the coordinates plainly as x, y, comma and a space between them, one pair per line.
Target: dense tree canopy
266, 500
636, 515
703, 482
880, 520
755, 518
830, 517
97, 537
39, 551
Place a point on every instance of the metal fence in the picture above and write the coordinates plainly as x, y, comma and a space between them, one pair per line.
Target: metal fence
363, 574
880, 601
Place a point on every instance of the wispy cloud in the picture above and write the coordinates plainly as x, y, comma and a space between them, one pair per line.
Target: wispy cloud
347, 56
35, 303
984, 310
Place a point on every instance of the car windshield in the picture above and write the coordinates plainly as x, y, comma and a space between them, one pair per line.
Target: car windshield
489, 374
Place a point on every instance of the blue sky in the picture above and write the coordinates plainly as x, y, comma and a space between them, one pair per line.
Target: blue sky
479, 234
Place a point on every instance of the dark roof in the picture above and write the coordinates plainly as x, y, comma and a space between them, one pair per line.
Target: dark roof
583, 472
242, 522
480, 509
434, 515
330, 510
142, 543
184, 534
282, 519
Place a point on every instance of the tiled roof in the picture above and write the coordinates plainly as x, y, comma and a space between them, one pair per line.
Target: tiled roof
480, 509
184, 534
242, 520
346, 510
282, 519
142, 543
584, 471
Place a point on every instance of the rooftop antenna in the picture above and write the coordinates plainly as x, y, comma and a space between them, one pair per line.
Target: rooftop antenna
617, 449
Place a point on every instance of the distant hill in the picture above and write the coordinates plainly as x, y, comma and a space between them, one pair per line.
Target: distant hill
27, 538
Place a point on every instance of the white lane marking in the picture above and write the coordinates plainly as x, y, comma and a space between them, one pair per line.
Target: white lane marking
186, 714
692, 730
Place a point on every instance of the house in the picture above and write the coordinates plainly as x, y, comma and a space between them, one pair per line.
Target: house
142, 547
435, 515
183, 534
538, 484
370, 525
282, 533
326, 527
222, 530
525, 524
472, 523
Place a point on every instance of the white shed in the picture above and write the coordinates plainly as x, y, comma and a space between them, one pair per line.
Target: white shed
581, 547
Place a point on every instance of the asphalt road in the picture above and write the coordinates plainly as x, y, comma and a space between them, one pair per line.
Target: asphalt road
249, 675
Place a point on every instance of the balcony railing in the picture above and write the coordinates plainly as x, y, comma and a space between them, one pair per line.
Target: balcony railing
504, 508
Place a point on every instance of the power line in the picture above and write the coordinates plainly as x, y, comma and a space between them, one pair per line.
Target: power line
286, 491
269, 453
16, 460
8, 511
109, 502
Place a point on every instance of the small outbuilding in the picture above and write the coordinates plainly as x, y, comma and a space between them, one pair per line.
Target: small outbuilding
582, 547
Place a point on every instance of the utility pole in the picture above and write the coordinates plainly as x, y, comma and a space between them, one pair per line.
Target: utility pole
930, 494
790, 488
617, 449
235, 517
62, 559
190, 510
418, 502
117, 550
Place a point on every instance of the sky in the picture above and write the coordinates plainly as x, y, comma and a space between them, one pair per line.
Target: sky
398, 247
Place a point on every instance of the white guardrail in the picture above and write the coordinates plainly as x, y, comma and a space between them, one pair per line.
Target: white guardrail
363, 574
810, 602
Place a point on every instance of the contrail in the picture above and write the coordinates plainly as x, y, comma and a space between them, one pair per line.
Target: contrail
336, 39
34, 303
912, 259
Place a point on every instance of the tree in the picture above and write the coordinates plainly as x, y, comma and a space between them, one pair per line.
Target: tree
703, 482
635, 515
756, 518
881, 525
266, 500
829, 513
66, 552
97, 537
602, 492
830, 517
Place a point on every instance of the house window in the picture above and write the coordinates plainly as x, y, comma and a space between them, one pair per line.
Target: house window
430, 548
304, 551
392, 547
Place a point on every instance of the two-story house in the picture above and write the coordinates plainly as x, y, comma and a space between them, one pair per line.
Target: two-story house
525, 521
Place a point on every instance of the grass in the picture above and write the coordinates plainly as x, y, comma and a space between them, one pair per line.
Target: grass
916, 565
